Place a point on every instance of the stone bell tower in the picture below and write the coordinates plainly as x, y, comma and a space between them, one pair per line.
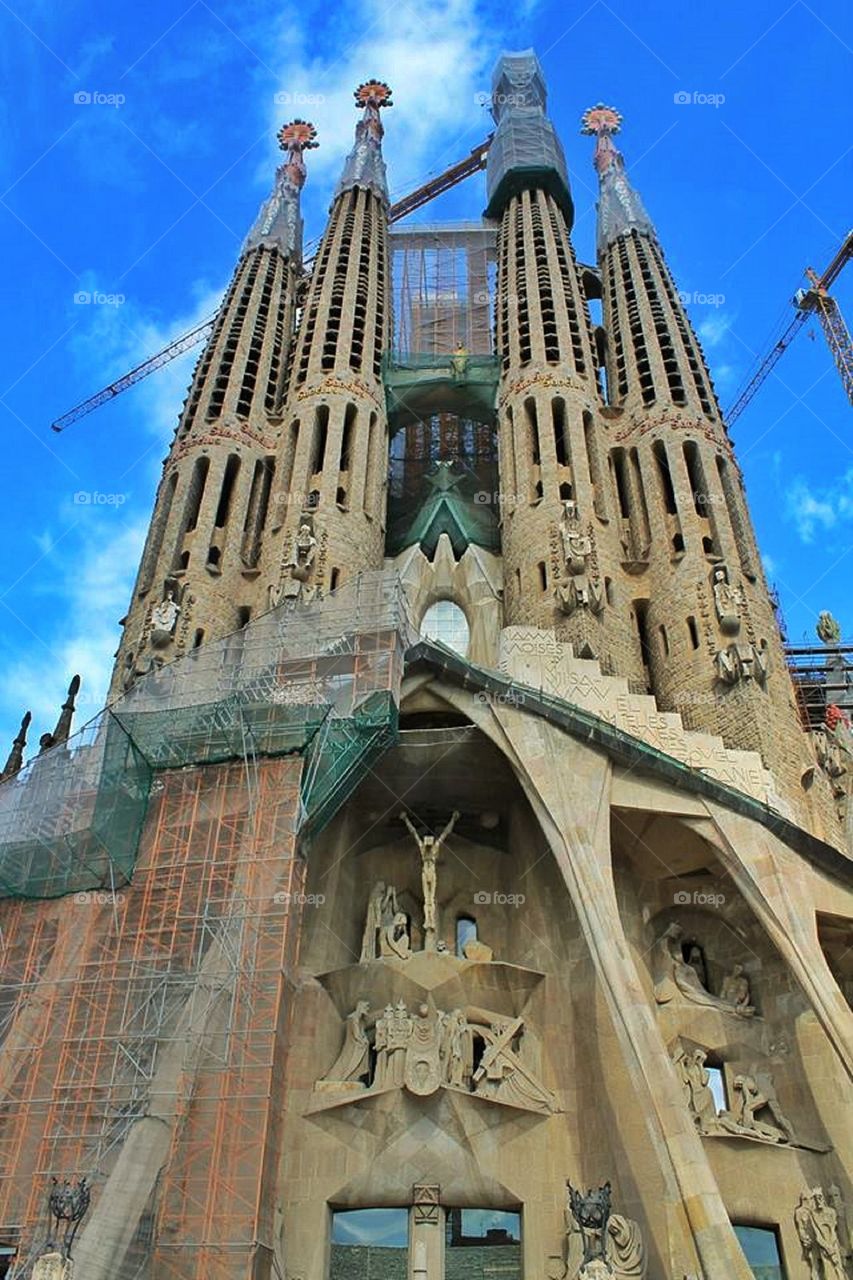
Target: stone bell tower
689, 571
548, 396
328, 514
199, 570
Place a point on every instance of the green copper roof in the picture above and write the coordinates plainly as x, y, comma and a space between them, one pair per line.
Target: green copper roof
447, 507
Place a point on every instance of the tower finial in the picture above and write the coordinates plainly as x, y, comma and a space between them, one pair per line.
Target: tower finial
294, 139
279, 222
63, 724
620, 209
16, 755
364, 165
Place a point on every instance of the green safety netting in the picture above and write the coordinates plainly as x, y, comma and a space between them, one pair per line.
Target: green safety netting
417, 386
321, 679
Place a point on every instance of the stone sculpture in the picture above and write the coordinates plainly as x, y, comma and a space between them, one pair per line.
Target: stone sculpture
430, 1048
727, 600
394, 938
674, 977
576, 590
690, 1066
164, 618
828, 629
351, 1065
301, 563
735, 989
743, 1120
816, 1222
381, 910
429, 847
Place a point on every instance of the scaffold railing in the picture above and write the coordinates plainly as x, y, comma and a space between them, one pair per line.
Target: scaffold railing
322, 676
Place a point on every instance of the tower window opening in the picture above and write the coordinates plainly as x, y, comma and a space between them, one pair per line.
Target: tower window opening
609, 593
678, 544
226, 493
561, 433
244, 613
346, 437
334, 579
665, 476
214, 555
198, 638
621, 478
641, 610
693, 632
195, 493
565, 491
256, 510
543, 576
533, 431
594, 464
321, 435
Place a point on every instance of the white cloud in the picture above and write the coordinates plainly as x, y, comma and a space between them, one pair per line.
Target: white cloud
85, 564
815, 511
435, 56
714, 330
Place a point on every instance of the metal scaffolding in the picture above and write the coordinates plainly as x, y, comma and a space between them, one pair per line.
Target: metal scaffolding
143, 1015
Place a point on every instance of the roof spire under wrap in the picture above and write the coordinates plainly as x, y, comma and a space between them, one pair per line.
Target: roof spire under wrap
279, 222
620, 209
525, 151
364, 165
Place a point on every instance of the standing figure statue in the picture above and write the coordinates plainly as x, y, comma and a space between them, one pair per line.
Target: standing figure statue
817, 1227
352, 1063
429, 847
381, 909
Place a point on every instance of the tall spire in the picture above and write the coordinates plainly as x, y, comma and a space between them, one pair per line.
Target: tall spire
364, 165
16, 756
525, 152
279, 221
620, 209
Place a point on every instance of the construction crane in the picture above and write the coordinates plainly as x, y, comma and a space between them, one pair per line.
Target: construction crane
472, 163
815, 300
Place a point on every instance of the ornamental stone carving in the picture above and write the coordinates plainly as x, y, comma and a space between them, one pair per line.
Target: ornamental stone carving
576, 590
427, 1048
675, 978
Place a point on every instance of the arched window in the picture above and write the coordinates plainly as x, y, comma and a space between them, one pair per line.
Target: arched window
446, 622
466, 931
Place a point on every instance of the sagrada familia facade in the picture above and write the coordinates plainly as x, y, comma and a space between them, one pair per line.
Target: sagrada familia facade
449, 888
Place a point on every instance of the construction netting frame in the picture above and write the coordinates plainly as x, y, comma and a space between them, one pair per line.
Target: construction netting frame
71, 820
319, 678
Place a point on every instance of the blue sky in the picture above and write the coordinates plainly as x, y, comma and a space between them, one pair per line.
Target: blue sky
143, 198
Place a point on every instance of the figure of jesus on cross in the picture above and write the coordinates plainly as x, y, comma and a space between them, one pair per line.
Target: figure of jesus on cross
429, 847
